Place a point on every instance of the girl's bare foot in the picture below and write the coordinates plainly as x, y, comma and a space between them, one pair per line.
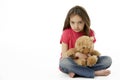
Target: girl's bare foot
71, 74
102, 72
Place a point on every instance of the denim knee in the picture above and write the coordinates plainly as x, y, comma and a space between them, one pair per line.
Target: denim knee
106, 61
65, 64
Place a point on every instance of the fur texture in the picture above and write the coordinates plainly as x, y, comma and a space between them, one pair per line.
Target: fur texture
84, 45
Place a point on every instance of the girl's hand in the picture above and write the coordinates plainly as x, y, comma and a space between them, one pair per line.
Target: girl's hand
80, 55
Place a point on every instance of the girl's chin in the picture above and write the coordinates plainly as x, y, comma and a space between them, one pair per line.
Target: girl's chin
77, 30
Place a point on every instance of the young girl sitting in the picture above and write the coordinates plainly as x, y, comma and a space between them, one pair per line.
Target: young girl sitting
77, 23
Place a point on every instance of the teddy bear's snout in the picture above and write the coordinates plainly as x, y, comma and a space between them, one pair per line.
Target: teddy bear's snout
86, 51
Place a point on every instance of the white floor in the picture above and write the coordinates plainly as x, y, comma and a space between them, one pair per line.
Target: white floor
28, 65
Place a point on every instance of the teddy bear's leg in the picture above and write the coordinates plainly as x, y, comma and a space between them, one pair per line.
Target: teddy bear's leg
91, 60
81, 62
84, 63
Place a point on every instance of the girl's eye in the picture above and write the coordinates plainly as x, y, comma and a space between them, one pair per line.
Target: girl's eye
72, 22
80, 22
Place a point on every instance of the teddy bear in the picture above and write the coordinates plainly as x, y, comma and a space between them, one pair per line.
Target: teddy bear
84, 45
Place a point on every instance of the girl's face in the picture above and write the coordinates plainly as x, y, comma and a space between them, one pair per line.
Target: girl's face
76, 23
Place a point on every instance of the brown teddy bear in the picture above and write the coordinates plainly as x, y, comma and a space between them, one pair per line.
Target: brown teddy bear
84, 45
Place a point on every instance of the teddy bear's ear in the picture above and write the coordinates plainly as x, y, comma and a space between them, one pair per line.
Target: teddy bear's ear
78, 44
92, 38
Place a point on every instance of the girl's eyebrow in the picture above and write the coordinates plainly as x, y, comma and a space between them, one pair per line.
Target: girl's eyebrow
80, 21
72, 21
77, 21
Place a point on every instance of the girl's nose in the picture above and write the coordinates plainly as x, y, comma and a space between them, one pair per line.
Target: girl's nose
76, 26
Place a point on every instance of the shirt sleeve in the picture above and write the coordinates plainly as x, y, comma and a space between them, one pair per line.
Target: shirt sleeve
65, 37
92, 34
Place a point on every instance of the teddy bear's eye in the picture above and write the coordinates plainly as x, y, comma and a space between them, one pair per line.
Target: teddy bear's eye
83, 47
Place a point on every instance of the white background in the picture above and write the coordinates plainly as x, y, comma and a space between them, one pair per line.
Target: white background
30, 32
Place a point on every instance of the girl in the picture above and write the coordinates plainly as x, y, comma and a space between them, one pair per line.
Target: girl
77, 23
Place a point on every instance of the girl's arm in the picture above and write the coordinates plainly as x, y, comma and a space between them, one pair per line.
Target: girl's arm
64, 49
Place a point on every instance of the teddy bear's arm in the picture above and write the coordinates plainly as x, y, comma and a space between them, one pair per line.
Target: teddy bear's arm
95, 52
71, 52
91, 60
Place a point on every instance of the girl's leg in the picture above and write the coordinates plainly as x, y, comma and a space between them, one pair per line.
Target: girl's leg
104, 62
71, 74
100, 68
67, 65
102, 73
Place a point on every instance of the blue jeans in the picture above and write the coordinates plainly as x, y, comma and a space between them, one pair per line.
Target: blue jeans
67, 65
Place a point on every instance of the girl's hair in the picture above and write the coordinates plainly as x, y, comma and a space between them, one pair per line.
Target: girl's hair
78, 10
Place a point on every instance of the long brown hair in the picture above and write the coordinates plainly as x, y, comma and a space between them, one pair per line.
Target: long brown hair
78, 10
